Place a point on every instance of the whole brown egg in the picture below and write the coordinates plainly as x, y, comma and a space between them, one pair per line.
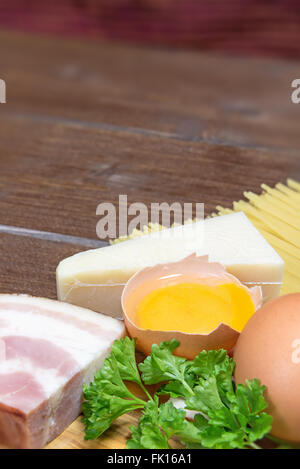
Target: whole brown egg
269, 349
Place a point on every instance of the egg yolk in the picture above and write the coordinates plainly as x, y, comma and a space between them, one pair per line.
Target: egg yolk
195, 308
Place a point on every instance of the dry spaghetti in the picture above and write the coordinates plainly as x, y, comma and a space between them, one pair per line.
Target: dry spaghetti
275, 213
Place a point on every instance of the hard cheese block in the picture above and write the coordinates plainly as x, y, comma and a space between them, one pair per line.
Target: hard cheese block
96, 278
48, 349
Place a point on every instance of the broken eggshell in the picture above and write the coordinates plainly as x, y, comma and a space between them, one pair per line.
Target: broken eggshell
190, 269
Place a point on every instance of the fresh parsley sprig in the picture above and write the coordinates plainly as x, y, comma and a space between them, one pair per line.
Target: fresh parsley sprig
227, 416
107, 397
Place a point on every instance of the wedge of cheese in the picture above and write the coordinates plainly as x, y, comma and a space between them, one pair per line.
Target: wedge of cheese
95, 279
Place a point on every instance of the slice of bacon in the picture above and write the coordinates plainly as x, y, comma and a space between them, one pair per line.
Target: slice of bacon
48, 349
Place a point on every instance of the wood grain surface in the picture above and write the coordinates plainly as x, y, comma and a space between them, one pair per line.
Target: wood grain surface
115, 437
85, 122
54, 175
194, 95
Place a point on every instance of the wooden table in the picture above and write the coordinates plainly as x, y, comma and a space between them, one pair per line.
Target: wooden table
87, 121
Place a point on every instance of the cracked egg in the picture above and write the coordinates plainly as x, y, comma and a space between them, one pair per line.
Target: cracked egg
193, 300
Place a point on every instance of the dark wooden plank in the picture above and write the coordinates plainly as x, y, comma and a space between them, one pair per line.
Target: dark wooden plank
53, 175
191, 94
28, 264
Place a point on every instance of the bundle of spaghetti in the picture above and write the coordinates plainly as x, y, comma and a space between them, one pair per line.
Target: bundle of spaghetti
275, 213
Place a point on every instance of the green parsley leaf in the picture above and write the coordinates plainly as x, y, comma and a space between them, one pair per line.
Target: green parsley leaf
215, 363
211, 363
171, 420
148, 434
159, 424
162, 365
206, 396
106, 398
124, 353
178, 389
236, 426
